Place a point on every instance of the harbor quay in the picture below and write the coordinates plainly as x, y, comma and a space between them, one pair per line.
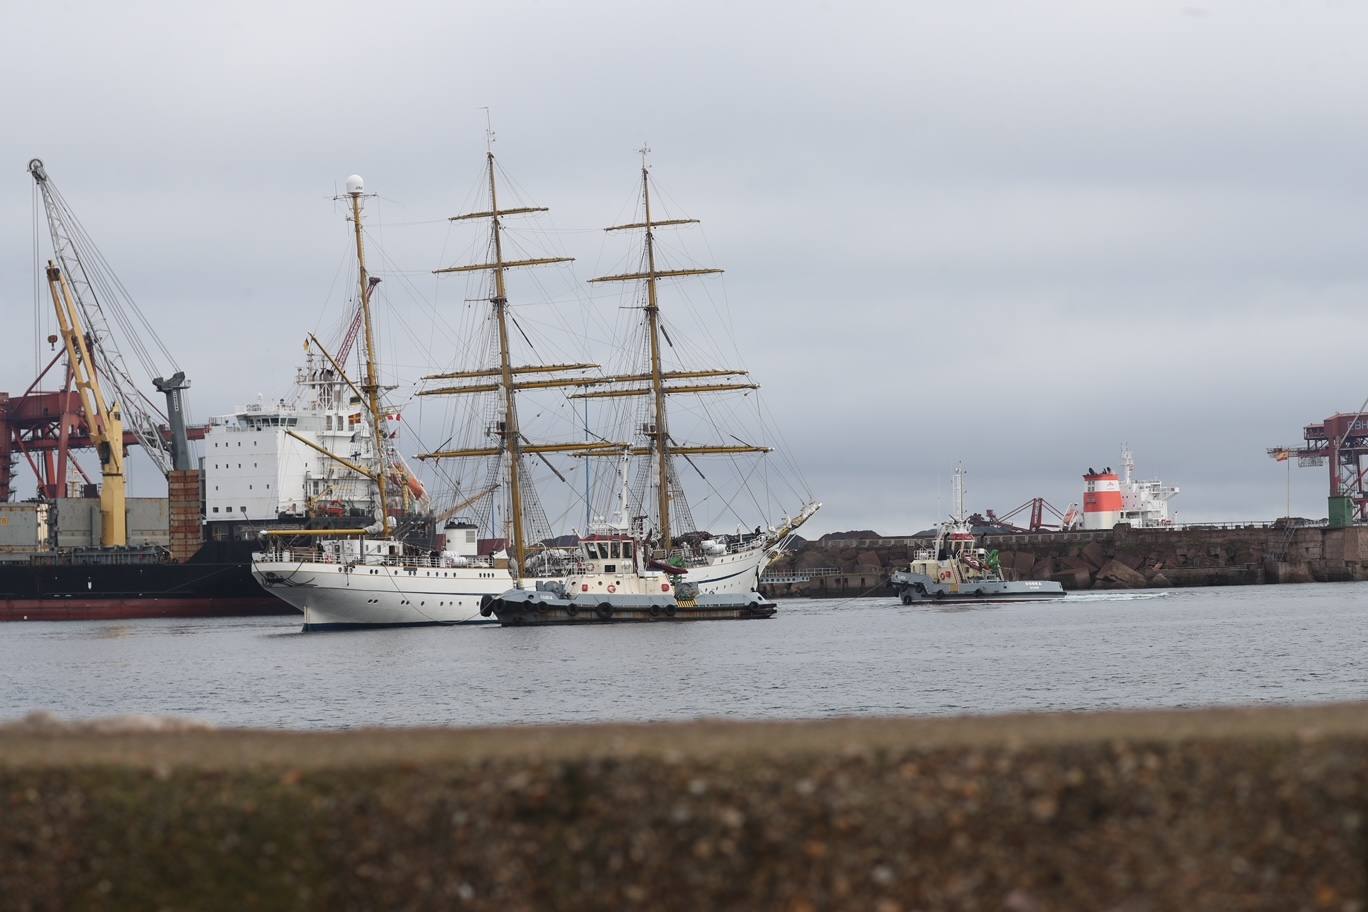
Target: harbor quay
1211, 809
847, 564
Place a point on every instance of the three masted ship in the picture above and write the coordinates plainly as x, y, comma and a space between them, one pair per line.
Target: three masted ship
373, 577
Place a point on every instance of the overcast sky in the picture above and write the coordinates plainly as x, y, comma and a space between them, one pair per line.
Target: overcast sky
1011, 233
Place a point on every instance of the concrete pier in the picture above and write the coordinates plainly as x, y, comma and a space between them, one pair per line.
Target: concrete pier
1219, 809
1118, 558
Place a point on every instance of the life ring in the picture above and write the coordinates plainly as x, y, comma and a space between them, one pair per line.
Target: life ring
611, 588
604, 611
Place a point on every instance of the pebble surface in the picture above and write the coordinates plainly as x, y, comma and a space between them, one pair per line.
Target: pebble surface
1214, 809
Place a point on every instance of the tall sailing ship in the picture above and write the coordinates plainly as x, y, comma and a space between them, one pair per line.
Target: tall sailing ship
370, 577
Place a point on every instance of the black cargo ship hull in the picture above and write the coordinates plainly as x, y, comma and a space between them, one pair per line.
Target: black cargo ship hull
217, 583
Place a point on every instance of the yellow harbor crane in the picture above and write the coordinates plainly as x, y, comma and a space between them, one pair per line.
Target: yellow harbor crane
106, 427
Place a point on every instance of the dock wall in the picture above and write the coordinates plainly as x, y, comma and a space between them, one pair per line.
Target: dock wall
1114, 559
1224, 809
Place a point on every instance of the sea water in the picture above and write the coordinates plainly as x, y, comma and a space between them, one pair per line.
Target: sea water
815, 659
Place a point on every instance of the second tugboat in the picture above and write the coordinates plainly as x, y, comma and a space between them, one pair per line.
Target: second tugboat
954, 569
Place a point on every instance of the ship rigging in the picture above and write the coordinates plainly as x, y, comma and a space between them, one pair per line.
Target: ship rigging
507, 470
655, 385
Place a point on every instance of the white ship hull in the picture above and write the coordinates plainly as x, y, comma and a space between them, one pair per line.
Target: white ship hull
734, 573
331, 597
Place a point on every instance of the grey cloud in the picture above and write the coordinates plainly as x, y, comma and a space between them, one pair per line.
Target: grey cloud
1010, 233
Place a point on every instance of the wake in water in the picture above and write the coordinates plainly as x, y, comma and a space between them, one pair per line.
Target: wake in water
1113, 596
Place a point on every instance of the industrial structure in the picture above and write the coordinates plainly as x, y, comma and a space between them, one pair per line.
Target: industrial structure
100, 406
1342, 441
1065, 521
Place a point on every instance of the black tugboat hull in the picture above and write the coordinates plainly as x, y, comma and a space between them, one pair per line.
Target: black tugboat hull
523, 608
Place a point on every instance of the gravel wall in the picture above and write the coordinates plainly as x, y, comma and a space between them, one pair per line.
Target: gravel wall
1219, 809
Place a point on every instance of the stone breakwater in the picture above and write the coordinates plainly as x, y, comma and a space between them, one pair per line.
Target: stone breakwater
1220, 809
1115, 559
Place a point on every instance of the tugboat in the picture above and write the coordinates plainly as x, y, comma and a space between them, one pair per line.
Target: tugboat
613, 582
954, 569
614, 579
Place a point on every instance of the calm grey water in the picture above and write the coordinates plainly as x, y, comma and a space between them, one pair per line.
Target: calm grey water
1183, 648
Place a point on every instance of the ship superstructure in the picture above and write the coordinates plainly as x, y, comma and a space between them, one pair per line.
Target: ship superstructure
278, 462
1109, 500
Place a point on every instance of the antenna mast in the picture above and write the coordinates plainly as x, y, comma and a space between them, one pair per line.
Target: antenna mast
957, 493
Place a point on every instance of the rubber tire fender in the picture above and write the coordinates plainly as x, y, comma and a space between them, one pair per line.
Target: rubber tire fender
654, 610
671, 609
486, 605
604, 611
572, 610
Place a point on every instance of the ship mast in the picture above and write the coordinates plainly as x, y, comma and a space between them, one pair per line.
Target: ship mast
512, 436
662, 436
508, 378
662, 447
371, 385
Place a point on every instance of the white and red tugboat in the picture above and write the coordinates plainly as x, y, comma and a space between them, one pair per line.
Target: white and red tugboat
614, 582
